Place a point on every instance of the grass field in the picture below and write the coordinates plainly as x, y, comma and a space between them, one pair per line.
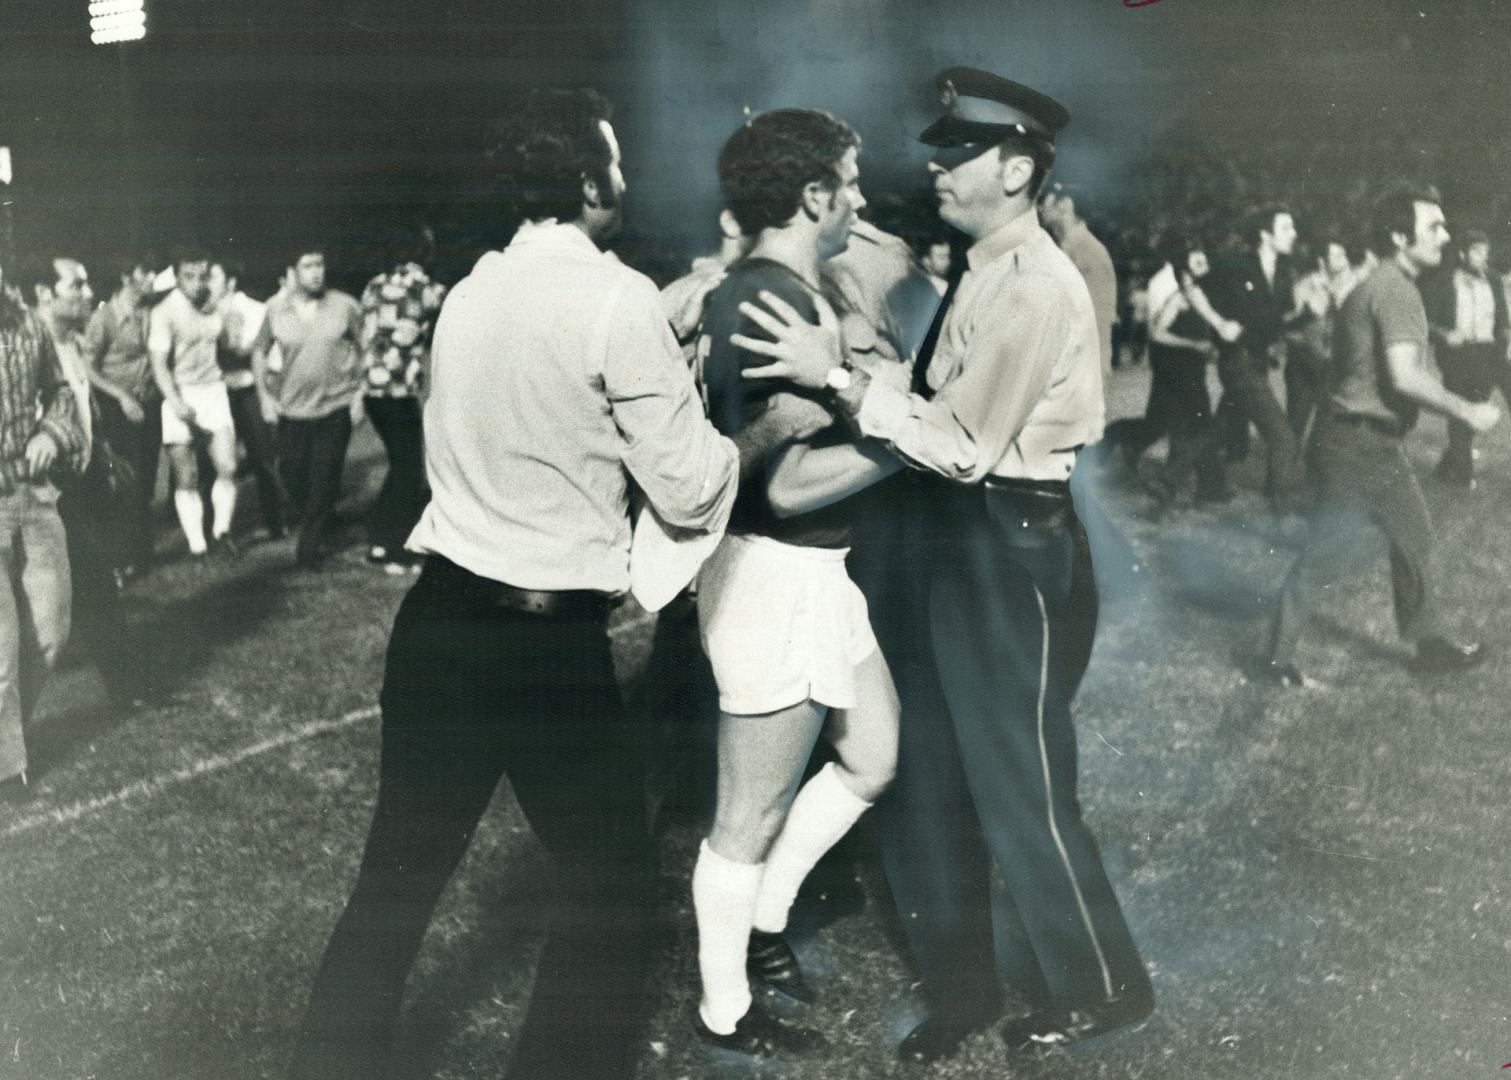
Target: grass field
1316, 877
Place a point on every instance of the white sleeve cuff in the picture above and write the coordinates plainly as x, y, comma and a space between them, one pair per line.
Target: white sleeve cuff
883, 410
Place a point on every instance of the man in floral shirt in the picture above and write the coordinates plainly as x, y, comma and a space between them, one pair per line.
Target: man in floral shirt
399, 308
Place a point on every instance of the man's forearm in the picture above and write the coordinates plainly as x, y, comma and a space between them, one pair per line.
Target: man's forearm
757, 439
1427, 392
164, 379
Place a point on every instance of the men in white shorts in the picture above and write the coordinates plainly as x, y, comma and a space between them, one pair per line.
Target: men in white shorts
181, 340
785, 629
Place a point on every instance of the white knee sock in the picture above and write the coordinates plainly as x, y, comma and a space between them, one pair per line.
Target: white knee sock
724, 895
191, 517
822, 813
223, 502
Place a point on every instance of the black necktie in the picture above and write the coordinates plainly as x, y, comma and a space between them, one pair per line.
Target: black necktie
931, 339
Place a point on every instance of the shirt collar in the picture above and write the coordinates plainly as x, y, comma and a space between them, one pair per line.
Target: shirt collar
550, 233
1020, 230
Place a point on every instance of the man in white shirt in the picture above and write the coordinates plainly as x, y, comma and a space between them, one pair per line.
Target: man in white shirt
556, 381
1467, 313
251, 407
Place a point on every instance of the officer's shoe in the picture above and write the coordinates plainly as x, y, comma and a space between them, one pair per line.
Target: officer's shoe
939, 1037
760, 1034
1439, 654
1061, 1027
770, 960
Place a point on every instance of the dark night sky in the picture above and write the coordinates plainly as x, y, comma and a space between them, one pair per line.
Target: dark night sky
248, 122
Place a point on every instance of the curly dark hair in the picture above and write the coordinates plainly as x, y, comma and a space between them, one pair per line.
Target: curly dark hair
543, 148
765, 165
1261, 219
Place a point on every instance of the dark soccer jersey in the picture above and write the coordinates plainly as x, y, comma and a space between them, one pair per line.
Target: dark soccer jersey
734, 402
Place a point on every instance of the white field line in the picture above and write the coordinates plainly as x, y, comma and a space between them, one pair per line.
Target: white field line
146, 789
139, 789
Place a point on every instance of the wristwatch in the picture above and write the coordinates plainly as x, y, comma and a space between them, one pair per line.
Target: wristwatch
839, 378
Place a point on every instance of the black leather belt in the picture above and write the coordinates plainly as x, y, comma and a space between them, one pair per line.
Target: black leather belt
1377, 424
566, 603
1020, 486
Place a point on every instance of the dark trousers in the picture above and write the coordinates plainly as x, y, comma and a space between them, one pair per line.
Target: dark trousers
139, 446
1306, 372
474, 692
404, 494
987, 772
86, 506
311, 454
1472, 372
1247, 398
256, 434
1365, 482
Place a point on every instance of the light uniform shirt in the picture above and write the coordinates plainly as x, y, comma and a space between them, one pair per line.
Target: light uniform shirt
189, 336
1091, 258
1016, 371
1474, 309
322, 368
555, 382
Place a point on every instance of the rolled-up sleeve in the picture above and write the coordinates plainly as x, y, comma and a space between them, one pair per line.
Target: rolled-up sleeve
687, 470
967, 427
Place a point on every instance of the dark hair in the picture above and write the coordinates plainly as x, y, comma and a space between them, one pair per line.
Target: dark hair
1261, 219
189, 253
767, 163
35, 271
1472, 237
1040, 151
232, 268
1349, 239
126, 263
1396, 212
294, 252
543, 148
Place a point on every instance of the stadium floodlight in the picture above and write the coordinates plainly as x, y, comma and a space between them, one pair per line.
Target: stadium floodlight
113, 21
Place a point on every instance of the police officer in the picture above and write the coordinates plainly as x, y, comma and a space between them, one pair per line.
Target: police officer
1382, 379
1008, 388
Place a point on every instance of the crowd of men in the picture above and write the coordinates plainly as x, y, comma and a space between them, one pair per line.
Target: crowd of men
180, 359
867, 455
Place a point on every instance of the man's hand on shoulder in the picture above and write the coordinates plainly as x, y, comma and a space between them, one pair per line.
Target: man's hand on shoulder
804, 353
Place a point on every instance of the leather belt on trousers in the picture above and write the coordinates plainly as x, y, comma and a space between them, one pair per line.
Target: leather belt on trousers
570, 603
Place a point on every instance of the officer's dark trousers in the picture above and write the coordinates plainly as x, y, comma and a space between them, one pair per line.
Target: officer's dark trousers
1473, 372
473, 692
987, 769
1364, 482
256, 434
402, 499
139, 445
1247, 398
311, 454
